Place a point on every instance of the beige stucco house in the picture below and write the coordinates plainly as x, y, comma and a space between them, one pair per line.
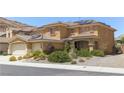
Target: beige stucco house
83, 34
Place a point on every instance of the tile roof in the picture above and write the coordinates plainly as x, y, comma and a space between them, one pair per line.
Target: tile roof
75, 23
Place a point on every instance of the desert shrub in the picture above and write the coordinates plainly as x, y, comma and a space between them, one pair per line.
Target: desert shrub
12, 58
59, 56
84, 53
20, 58
1, 52
5, 53
28, 55
97, 53
38, 54
67, 47
73, 55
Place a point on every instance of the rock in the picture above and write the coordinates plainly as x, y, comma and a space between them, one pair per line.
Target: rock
81, 60
74, 62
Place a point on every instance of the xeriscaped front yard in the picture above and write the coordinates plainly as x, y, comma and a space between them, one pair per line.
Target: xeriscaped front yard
116, 61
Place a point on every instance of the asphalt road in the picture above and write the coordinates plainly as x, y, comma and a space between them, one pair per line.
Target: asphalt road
9, 70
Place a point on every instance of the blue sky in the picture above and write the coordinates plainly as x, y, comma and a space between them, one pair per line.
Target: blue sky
116, 22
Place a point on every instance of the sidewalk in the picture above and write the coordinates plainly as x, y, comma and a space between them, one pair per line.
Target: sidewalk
68, 67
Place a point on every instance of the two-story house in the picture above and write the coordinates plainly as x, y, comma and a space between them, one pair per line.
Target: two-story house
10, 29
81, 34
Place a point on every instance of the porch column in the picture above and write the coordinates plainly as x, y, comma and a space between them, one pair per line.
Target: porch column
42, 46
10, 33
9, 48
91, 45
72, 45
7, 34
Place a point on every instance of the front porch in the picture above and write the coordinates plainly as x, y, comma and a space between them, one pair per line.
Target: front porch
88, 43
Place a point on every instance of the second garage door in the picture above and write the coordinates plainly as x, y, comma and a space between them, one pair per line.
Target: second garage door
19, 49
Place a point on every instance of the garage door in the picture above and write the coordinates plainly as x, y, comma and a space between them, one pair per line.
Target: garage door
36, 46
19, 49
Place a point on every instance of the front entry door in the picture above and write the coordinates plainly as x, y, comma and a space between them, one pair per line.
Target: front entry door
81, 44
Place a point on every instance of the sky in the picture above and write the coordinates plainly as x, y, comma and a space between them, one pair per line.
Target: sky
115, 22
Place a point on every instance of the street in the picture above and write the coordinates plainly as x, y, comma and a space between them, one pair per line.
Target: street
11, 70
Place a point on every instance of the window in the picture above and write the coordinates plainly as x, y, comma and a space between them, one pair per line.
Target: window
82, 29
52, 31
95, 27
87, 28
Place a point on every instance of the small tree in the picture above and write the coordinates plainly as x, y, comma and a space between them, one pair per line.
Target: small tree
67, 47
122, 40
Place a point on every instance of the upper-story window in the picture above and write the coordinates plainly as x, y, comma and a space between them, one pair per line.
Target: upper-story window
52, 31
87, 28
2, 29
95, 27
84, 29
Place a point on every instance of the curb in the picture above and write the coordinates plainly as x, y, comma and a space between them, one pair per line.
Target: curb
68, 67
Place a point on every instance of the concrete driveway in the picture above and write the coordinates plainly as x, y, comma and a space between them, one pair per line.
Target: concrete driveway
4, 58
115, 61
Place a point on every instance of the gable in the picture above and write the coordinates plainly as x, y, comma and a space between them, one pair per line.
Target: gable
17, 40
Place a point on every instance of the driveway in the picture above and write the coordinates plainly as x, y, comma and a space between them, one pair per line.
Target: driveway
4, 58
116, 61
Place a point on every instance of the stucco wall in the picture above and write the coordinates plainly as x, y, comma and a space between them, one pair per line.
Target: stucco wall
3, 47
43, 45
106, 39
56, 45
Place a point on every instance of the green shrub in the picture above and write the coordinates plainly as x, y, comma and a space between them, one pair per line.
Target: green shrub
84, 53
1, 52
5, 53
12, 58
97, 53
67, 47
73, 55
59, 56
28, 55
20, 58
38, 54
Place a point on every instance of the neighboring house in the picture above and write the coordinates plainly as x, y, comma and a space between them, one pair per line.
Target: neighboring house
9, 29
83, 34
